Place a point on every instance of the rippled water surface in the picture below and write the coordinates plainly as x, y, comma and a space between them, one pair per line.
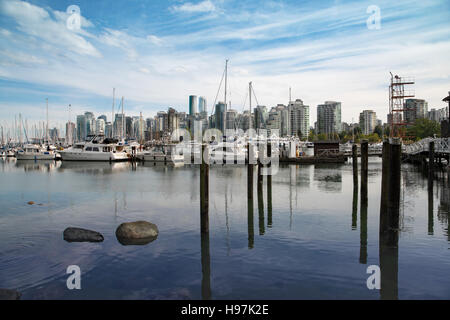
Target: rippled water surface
309, 242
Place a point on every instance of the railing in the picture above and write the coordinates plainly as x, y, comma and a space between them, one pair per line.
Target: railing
441, 145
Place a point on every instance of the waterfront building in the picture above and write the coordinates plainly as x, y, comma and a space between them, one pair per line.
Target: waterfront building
71, 133
415, 109
100, 126
261, 115
298, 119
329, 117
81, 128
219, 116
202, 105
367, 121
192, 105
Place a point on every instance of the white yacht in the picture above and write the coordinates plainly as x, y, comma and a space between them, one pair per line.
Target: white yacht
35, 152
96, 148
165, 154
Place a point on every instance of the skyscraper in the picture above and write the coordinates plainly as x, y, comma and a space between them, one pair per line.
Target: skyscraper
329, 117
367, 121
81, 127
202, 105
298, 119
219, 116
415, 109
192, 105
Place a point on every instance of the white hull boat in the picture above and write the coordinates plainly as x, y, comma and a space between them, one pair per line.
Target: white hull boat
34, 152
97, 149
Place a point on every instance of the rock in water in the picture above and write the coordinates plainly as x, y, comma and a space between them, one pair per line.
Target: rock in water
30, 203
8, 294
82, 235
137, 233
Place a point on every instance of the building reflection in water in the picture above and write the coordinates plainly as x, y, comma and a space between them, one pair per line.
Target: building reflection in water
329, 177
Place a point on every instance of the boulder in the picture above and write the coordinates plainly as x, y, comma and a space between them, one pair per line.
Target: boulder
8, 294
137, 233
82, 235
30, 203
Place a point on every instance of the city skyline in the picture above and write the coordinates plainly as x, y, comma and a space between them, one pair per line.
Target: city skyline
324, 52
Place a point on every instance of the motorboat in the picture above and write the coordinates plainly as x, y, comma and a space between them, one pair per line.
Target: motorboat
36, 152
163, 153
95, 148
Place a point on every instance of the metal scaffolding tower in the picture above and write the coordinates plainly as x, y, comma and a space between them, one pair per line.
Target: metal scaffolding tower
397, 105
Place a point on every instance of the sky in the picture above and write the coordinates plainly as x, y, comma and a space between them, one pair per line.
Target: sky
157, 53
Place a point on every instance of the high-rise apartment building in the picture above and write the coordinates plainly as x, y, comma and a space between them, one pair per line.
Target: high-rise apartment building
367, 121
298, 119
329, 117
415, 109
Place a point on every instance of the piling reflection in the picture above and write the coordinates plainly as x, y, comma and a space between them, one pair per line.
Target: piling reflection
355, 206
206, 266
389, 221
269, 201
363, 225
250, 224
260, 204
430, 211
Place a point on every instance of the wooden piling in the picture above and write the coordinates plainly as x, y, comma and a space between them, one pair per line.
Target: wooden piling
355, 162
431, 164
384, 221
269, 188
393, 207
204, 192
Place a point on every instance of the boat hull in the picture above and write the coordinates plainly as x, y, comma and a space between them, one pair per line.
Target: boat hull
93, 156
35, 156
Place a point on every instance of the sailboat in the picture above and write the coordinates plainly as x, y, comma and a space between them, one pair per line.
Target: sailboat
36, 152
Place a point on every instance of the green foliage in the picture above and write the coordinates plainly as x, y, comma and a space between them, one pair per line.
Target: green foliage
424, 128
378, 130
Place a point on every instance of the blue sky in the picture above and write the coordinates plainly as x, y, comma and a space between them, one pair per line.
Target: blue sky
156, 53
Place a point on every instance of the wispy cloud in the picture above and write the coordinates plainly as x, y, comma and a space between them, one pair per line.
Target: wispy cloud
37, 23
203, 6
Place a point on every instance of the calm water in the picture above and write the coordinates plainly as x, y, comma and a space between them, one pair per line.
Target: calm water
312, 245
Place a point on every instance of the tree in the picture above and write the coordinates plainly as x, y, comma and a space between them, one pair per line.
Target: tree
424, 128
378, 130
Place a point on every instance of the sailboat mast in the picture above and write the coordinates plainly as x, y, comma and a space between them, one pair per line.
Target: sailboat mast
46, 130
123, 122
250, 103
225, 99
69, 127
112, 115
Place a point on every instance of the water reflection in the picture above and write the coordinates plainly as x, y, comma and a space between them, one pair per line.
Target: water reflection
38, 165
329, 177
94, 168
